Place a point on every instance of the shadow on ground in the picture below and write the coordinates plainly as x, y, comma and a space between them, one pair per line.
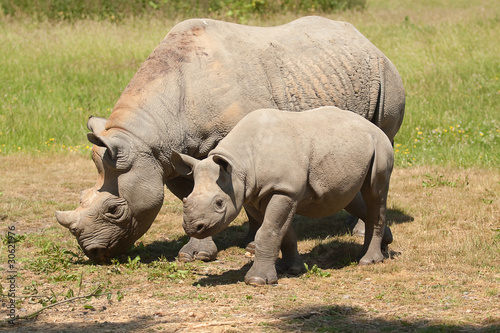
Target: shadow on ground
330, 253
334, 318
341, 253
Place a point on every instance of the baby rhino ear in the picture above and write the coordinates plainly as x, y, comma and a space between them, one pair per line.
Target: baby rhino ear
223, 162
182, 163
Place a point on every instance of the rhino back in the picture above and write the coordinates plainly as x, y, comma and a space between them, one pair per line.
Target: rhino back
317, 157
206, 75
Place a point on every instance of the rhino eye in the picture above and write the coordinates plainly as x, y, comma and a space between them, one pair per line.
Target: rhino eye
219, 204
112, 210
117, 212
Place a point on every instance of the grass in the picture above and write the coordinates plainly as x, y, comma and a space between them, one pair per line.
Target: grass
116, 10
55, 75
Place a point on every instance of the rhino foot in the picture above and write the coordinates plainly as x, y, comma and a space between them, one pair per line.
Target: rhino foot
371, 258
198, 249
260, 275
255, 281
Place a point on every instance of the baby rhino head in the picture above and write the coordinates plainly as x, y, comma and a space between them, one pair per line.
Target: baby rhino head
215, 200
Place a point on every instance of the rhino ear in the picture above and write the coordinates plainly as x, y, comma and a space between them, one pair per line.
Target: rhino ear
98, 140
117, 151
182, 163
96, 124
223, 162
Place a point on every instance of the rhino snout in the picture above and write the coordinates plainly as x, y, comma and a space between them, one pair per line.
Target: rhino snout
97, 254
194, 229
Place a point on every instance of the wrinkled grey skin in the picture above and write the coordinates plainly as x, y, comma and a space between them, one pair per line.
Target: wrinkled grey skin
194, 87
311, 163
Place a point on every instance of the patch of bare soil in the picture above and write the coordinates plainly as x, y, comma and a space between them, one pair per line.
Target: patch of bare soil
442, 271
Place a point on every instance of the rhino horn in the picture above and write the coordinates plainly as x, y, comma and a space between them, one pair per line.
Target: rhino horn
67, 218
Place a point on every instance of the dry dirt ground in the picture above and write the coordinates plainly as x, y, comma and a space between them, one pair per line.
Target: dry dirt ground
442, 273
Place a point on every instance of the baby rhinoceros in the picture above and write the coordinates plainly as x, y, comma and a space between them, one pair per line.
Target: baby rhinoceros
278, 163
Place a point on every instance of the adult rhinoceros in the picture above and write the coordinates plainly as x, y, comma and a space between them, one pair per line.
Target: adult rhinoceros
190, 92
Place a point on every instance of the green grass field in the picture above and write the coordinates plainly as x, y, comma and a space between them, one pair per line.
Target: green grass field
56, 74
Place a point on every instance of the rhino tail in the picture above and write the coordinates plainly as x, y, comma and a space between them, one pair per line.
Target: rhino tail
389, 110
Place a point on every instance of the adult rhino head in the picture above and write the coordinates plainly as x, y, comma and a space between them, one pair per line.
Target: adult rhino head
126, 198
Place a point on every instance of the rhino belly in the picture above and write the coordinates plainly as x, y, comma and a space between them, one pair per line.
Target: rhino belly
327, 203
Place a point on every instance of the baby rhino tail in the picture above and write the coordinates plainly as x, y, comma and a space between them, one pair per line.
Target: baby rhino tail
382, 165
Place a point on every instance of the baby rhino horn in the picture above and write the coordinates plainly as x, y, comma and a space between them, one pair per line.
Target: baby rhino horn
188, 203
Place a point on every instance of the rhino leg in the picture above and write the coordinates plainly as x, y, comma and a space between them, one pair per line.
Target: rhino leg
354, 222
357, 209
355, 225
374, 192
198, 249
254, 222
277, 220
291, 261
371, 252
195, 249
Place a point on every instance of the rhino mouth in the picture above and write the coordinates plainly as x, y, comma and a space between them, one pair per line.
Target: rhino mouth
98, 253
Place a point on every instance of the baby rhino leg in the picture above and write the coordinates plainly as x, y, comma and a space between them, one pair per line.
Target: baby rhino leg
255, 219
374, 192
291, 261
357, 209
277, 219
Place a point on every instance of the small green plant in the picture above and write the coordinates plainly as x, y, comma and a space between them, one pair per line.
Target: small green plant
162, 269
119, 295
315, 271
496, 238
133, 263
115, 266
11, 239
52, 258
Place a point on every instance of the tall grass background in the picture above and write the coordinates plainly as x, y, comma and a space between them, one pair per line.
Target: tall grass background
57, 71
